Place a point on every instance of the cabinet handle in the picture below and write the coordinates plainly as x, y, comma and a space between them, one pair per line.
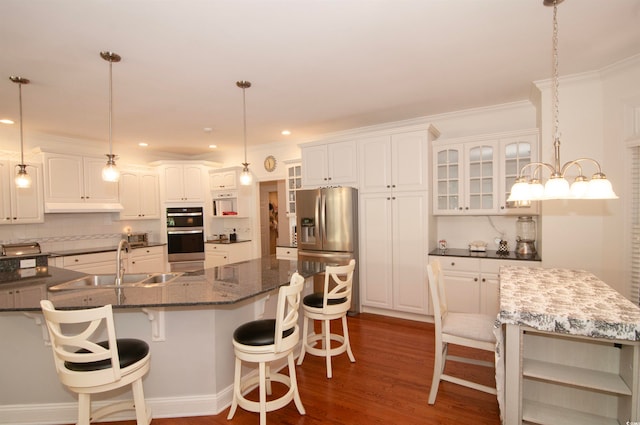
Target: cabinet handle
484, 280
76, 260
460, 208
475, 279
388, 186
453, 263
393, 185
466, 208
501, 207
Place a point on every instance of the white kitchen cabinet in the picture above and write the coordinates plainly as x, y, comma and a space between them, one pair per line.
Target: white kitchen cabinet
473, 284
472, 175
230, 198
20, 205
286, 253
294, 183
22, 296
220, 254
223, 180
149, 259
395, 161
183, 182
393, 252
94, 263
75, 183
329, 164
139, 195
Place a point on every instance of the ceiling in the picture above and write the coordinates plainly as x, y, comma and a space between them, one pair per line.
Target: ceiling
317, 66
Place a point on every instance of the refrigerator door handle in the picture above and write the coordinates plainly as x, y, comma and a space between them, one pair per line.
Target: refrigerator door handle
323, 218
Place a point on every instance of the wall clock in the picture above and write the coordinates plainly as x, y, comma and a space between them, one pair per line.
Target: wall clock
270, 163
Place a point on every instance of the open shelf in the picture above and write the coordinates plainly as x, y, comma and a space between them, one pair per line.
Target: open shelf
545, 414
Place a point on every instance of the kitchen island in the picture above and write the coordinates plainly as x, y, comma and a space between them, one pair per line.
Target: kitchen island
192, 320
571, 349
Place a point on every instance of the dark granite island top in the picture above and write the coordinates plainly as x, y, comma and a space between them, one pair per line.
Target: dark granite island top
226, 284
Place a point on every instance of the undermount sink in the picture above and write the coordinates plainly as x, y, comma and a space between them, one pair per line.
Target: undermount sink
105, 281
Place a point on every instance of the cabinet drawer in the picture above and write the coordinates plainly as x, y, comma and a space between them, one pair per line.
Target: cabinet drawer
286, 253
493, 266
459, 264
142, 252
84, 259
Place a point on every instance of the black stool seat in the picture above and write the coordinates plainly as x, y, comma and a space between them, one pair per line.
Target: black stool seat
129, 351
258, 332
316, 300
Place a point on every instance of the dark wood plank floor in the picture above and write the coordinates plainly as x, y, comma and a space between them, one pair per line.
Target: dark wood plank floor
388, 384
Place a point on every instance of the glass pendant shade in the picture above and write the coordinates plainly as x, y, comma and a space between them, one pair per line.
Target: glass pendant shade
23, 179
245, 177
600, 188
556, 188
110, 172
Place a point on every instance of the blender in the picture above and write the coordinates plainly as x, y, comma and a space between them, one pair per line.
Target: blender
525, 237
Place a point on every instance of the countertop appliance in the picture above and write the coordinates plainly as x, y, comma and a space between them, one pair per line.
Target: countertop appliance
13, 249
185, 238
326, 220
137, 239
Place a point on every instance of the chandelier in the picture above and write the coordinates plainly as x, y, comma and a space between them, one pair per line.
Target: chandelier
23, 179
557, 187
110, 173
245, 177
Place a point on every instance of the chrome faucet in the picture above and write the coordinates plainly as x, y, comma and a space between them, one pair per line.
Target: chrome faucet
120, 267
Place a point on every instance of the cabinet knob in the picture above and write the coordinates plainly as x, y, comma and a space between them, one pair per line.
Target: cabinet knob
388, 186
460, 208
466, 208
475, 279
453, 263
484, 280
76, 260
501, 207
393, 185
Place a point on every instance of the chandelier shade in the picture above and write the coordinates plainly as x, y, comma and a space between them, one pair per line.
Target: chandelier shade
557, 186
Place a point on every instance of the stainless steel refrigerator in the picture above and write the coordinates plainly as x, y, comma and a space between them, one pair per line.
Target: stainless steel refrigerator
327, 227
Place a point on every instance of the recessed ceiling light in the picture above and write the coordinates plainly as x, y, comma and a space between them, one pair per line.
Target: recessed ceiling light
213, 146
286, 132
143, 144
6, 121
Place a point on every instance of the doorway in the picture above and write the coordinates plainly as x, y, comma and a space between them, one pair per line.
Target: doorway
273, 230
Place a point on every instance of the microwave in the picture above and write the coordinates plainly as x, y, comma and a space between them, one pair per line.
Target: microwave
137, 239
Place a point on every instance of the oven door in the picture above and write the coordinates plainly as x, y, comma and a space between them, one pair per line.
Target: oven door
185, 244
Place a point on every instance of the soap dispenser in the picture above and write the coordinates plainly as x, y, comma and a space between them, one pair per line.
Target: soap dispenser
233, 237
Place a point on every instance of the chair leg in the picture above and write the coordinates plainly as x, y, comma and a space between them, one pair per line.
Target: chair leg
438, 367
345, 332
267, 379
143, 415
263, 393
84, 409
294, 384
326, 331
236, 389
305, 335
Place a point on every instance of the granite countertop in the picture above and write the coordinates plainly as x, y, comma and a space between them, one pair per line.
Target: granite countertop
227, 241
495, 255
226, 284
81, 251
566, 301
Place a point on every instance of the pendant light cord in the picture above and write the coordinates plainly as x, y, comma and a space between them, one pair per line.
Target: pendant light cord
21, 137
244, 122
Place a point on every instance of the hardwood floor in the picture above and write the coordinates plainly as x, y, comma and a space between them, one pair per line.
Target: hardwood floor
388, 384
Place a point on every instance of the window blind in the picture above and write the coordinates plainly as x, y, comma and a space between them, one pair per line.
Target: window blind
635, 223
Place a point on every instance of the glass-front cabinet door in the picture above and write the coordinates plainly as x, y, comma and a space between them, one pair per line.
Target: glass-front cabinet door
447, 177
294, 183
516, 152
481, 183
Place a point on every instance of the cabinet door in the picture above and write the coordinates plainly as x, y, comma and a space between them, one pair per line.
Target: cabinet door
516, 152
130, 195
294, 183
27, 204
481, 185
374, 166
64, 181
341, 162
193, 183
149, 196
447, 179
489, 294
375, 266
463, 291
314, 166
409, 156
225, 180
410, 251
5, 192
174, 183
97, 190
239, 252
147, 260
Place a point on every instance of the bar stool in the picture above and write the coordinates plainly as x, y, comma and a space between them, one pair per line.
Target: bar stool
333, 303
265, 341
86, 367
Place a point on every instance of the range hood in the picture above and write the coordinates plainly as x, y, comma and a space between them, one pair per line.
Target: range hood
81, 207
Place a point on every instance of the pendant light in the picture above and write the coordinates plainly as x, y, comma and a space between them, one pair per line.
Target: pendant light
23, 179
110, 173
557, 187
245, 177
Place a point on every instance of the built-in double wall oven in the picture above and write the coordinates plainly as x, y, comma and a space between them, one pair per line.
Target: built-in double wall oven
185, 238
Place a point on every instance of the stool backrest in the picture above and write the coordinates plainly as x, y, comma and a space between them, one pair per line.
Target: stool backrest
338, 281
72, 333
437, 290
287, 314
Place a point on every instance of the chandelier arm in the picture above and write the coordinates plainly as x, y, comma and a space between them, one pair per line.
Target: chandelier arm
576, 162
538, 165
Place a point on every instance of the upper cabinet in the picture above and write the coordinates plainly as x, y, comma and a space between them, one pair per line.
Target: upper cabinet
74, 183
473, 175
230, 198
183, 182
20, 205
329, 164
396, 162
139, 195
294, 183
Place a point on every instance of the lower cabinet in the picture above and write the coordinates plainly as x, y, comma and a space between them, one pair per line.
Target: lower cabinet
473, 285
150, 259
221, 254
16, 297
286, 253
96, 263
